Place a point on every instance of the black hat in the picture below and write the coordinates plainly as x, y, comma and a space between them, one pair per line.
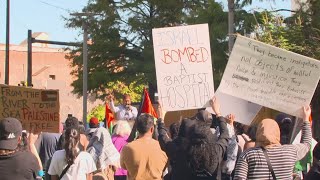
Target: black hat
10, 131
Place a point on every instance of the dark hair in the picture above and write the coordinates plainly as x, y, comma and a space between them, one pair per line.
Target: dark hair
239, 128
252, 132
174, 129
72, 138
202, 157
144, 123
72, 122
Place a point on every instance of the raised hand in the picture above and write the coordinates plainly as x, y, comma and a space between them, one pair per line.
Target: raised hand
215, 105
306, 112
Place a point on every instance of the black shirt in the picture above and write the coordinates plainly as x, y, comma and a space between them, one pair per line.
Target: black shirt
47, 144
22, 165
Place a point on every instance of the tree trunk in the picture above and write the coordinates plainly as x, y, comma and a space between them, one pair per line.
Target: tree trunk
231, 24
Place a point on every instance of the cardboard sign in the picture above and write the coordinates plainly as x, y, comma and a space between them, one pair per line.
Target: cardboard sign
183, 66
37, 109
270, 76
244, 111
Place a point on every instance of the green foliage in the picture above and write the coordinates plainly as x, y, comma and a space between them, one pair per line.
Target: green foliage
98, 112
122, 49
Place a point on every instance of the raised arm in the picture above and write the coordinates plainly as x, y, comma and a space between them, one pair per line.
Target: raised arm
305, 143
222, 142
113, 108
163, 132
32, 140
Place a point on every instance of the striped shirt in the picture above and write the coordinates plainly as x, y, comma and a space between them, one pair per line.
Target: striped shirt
252, 163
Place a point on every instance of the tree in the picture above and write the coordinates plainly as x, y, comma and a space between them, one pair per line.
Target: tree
121, 48
299, 33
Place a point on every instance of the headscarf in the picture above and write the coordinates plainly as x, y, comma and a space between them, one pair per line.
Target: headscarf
268, 133
102, 149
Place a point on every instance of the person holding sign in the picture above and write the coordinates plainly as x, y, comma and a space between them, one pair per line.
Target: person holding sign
269, 159
15, 163
195, 153
124, 111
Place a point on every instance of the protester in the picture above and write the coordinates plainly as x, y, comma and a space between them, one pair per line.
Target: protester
285, 124
119, 139
47, 144
74, 122
83, 137
195, 154
71, 163
15, 163
143, 158
104, 153
174, 130
252, 138
93, 125
230, 158
253, 163
125, 111
242, 137
314, 173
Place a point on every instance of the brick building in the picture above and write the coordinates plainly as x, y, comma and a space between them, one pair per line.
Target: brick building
50, 70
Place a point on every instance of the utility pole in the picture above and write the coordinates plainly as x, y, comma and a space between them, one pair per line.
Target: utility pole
6, 73
231, 24
29, 74
85, 62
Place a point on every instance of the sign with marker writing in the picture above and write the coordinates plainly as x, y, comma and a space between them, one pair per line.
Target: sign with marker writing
37, 109
183, 66
270, 76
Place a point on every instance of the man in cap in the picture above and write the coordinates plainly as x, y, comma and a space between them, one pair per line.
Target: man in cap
15, 163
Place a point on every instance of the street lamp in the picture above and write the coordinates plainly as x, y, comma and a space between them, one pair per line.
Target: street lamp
85, 61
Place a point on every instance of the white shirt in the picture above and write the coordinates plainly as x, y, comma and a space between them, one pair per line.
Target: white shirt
82, 166
122, 113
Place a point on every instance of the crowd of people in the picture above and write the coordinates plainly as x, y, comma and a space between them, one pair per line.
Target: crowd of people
202, 147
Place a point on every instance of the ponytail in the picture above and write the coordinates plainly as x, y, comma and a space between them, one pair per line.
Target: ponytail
72, 137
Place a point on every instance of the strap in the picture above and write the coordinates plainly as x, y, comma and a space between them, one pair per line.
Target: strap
64, 171
269, 163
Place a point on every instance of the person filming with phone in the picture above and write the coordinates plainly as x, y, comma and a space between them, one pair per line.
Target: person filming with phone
125, 111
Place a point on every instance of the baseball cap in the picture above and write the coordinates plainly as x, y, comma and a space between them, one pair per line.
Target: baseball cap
10, 131
94, 122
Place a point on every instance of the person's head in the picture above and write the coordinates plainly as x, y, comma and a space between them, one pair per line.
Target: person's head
285, 124
126, 99
122, 128
145, 125
72, 138
71, 122
203, 116
240, 128
10, 134
94, 122
252, 131
174, 129
268, 133
185, 127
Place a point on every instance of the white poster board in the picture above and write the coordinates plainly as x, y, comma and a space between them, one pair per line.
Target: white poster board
270, 76
244, 111
183, 66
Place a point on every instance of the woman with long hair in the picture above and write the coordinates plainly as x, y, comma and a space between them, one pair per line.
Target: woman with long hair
71, 163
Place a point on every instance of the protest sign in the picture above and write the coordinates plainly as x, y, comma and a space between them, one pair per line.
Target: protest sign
183, 66
270, 76
244, 111
37, 109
